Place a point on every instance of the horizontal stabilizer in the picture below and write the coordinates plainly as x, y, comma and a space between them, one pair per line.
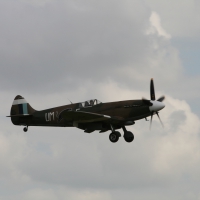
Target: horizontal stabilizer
25, 115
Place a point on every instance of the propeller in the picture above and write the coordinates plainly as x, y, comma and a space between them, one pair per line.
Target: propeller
161, 99
152, 91
154, 105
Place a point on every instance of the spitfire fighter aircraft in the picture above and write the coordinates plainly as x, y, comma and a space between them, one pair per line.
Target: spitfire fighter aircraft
90, 115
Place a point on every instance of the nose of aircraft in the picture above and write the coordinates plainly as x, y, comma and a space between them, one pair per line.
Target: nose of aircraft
157, 105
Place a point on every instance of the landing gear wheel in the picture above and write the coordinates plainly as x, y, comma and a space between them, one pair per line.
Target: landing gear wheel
128, 136
25, 129
114, 137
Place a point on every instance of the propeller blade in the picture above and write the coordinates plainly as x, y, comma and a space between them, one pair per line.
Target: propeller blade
152, 92
162, 98
160, 119
151, 120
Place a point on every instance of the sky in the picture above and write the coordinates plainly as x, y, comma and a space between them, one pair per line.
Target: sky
53, 51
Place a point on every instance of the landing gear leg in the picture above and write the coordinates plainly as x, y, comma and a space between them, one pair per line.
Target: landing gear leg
128, 136
25, 129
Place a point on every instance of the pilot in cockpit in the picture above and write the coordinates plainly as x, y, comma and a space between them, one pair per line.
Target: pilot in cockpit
86, 104
91, 102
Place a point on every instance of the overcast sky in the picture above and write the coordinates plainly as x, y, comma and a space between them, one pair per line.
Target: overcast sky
55, 50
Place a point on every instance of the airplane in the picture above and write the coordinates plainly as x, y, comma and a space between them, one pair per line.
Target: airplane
90, 115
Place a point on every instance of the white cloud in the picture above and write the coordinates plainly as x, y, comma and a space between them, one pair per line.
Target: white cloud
179, 18
177, 152
156, 26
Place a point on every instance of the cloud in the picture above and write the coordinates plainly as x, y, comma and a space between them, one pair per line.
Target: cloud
63, 46
156, 26
178, 18
64, 42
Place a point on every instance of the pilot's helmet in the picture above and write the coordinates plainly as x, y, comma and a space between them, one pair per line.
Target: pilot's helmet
86, 104
80, 105
91, 102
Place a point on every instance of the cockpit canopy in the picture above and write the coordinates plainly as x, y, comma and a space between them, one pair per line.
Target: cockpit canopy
89, 103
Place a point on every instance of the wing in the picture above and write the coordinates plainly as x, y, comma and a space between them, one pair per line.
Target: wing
85, 117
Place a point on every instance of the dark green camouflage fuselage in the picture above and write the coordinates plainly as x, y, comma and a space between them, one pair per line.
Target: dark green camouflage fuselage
122, 113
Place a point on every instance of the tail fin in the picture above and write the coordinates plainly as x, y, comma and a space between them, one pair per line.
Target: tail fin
21, 107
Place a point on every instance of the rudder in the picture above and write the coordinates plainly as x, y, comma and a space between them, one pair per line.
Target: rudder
21, 107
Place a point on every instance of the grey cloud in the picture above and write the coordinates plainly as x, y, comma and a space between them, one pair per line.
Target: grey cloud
60, 44
65, 44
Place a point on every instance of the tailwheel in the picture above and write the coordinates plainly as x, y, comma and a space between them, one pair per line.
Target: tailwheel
114, 136
128, 136
25, 129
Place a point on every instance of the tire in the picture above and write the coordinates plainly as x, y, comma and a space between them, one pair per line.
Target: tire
114, 137
128, 136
